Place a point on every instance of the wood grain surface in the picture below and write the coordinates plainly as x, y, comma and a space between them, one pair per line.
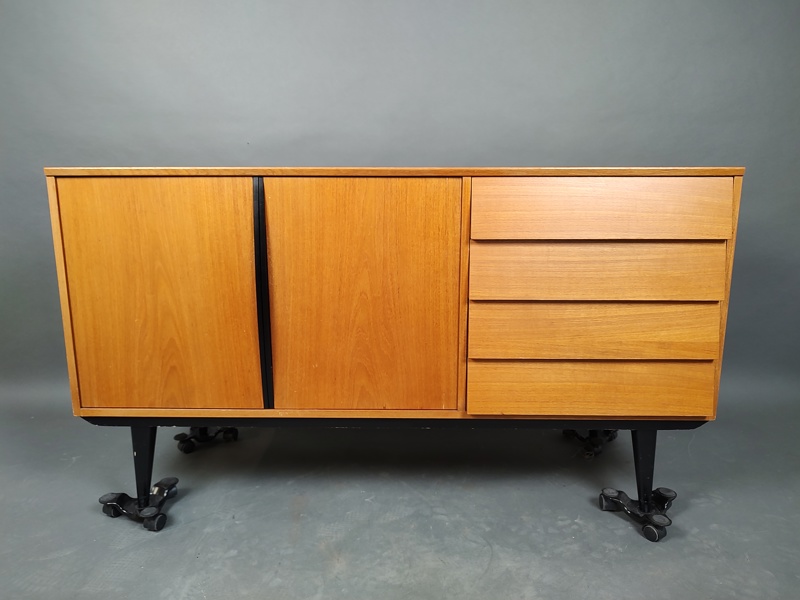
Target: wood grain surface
601, 207
234, 416
542, 270
641, 330
617, 389
463, 300
161, 290
730, 247
63, 293
596, 292
394, 171
364, 291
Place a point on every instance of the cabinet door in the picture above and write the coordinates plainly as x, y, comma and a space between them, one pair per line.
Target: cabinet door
364, 294
160, 276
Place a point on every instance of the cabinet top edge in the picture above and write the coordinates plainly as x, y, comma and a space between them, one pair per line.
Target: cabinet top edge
394, 171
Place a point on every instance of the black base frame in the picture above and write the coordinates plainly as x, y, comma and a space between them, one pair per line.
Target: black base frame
188, 442
650, 508
593, 442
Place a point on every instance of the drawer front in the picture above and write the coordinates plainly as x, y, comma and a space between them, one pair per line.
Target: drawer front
591, 389
507, 208
544, 270
580, 330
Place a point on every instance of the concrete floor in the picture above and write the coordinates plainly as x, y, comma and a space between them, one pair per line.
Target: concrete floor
401, 514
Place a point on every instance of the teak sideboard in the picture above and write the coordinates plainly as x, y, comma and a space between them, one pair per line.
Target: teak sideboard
576, 298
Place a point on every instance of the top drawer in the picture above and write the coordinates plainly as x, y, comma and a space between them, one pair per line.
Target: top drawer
512, 208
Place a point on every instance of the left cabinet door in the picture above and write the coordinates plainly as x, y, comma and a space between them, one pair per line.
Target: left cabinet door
161, 291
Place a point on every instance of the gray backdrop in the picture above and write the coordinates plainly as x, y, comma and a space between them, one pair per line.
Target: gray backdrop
402, 83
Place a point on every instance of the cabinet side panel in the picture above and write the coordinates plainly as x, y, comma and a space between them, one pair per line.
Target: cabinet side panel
364, 291
63, 292
161, 282
730, 247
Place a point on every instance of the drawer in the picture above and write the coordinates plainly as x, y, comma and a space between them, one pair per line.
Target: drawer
591, 389
594, 330
543, 270
602, 208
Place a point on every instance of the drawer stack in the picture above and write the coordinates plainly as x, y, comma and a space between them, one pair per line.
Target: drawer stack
597, 296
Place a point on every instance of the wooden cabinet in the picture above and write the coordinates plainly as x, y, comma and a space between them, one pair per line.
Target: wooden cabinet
571, 298
401, 293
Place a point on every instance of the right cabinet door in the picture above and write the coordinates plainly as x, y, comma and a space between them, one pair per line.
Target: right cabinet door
364, 291
597, 297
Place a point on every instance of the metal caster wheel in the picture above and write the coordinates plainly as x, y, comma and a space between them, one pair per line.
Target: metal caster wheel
661, 521
653, 533
666, 493
606, 500
155, 523
664, 497
167, 487
111, 511
186, 447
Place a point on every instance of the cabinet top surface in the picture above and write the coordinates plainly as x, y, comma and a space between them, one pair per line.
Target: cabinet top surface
396, 171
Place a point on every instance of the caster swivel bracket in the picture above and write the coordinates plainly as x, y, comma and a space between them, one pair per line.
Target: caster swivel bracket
650, 510
653, 518
150, 515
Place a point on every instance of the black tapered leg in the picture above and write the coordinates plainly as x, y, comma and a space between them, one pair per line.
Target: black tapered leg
644, 460
144, 446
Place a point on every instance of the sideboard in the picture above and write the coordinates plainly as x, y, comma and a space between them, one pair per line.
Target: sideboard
591, 298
